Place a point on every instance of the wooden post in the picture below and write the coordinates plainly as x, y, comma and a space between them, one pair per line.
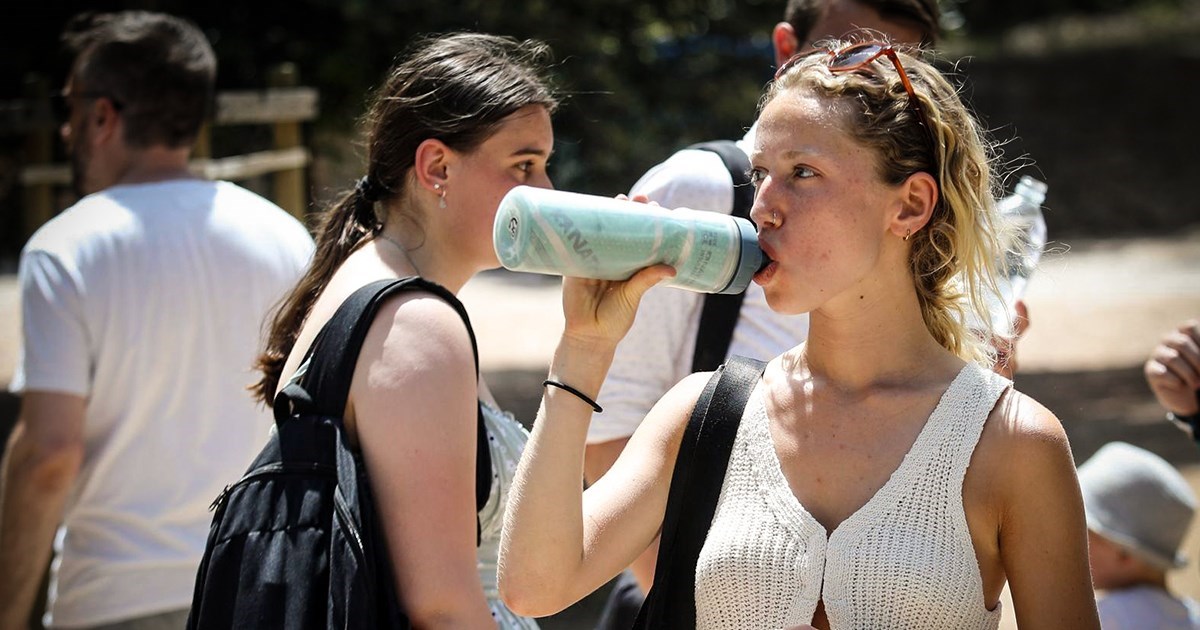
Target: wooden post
289, 185
202, 148
39, 149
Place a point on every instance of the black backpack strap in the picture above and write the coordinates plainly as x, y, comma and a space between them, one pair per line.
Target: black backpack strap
325, 387
719, 315
696, 483
335, 351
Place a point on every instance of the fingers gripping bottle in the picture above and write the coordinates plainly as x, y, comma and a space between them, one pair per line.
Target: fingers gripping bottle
571, 234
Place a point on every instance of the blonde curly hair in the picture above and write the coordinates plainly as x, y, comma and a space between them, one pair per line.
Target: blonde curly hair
953, 259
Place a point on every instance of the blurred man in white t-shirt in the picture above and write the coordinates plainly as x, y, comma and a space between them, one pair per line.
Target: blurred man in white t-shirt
142, 307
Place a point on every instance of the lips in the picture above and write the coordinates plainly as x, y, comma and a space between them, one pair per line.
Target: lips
768, 267
765, 274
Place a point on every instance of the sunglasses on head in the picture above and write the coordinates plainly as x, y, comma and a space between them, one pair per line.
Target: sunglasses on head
859, 56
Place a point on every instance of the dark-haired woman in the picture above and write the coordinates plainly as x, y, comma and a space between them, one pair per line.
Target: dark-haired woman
459, 121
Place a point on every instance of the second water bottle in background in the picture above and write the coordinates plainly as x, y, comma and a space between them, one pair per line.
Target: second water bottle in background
1024, 231
587, 236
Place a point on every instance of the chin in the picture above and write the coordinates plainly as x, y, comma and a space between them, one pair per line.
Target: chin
784, 304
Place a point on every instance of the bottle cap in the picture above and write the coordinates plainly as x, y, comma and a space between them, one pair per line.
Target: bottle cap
1032, 189
750, 257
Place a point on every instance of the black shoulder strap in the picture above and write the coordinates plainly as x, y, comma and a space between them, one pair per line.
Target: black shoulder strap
695, 487
719, 315
325, 387
335, 351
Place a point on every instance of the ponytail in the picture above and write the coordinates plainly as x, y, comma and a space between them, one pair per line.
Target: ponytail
349, 223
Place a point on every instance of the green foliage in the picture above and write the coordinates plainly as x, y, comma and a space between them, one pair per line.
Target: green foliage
992, 17
640, 78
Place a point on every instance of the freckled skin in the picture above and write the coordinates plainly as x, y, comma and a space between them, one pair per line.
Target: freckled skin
830, 201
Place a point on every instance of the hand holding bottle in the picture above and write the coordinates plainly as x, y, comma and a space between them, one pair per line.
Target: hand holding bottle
600, 312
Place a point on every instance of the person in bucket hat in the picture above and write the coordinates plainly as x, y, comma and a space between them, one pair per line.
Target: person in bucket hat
1138, 510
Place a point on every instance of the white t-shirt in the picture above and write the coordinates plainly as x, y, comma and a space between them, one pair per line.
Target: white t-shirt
150, 300
657, 352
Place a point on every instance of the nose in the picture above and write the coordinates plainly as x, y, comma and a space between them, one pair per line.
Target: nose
763, 213
759, 213
542, 181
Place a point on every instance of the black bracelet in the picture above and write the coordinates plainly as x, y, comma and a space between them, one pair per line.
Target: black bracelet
582, 396
1187, 423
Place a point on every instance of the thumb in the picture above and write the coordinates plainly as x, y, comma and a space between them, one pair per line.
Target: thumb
646, 278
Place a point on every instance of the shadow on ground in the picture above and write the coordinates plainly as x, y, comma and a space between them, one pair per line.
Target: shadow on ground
1095, 407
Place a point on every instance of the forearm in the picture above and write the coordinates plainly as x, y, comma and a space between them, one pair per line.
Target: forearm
473, 614
33, 491
543, 545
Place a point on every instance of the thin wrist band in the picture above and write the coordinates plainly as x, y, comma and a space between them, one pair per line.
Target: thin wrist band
582, 396
1187, 423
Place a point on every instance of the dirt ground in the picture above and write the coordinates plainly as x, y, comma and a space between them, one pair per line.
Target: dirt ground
1097, 308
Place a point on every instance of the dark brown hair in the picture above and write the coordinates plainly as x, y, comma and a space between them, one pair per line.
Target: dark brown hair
923, 14
455, 88
157, 69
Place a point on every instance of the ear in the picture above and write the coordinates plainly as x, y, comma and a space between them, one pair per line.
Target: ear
104, 120
431, 165
784, 39
917, 197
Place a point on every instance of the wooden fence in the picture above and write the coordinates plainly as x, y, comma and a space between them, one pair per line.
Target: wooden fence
284, 106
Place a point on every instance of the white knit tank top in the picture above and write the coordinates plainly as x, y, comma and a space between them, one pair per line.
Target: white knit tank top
903, 560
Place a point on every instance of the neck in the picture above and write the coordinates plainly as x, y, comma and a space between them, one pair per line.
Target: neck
874, 336
428, 258
156, 164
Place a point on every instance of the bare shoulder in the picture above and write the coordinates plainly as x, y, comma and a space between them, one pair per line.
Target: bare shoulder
423, 331
1020, 422
417, 359
1023, 446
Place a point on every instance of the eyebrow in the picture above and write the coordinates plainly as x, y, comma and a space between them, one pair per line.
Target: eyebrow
532, 151
792, 154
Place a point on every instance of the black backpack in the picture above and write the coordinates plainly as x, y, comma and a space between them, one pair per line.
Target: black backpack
719, 315
296, 542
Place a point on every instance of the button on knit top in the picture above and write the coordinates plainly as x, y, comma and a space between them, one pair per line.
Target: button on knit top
904, 560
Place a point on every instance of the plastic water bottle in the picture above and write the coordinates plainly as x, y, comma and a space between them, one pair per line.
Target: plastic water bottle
1025, 227
571, 234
